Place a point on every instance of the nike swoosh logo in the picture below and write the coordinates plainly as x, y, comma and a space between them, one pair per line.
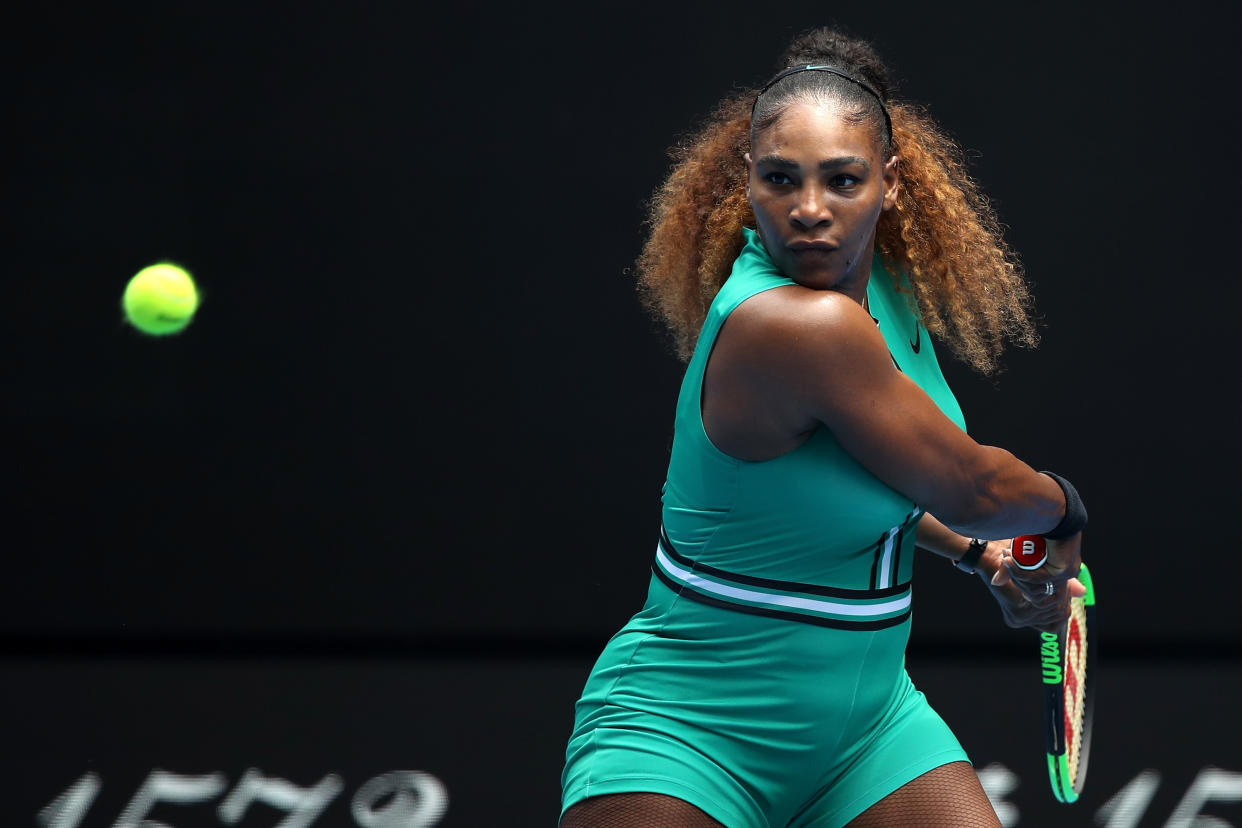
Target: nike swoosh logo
918, 339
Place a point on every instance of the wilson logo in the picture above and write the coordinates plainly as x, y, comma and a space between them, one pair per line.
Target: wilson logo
1030, 551
1050, 657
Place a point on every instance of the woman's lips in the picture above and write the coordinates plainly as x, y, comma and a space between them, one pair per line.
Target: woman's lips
811, 246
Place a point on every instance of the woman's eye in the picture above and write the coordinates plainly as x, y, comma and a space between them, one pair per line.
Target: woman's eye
844, 181
778, 178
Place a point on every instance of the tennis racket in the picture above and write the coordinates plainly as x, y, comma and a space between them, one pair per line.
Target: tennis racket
1067, 660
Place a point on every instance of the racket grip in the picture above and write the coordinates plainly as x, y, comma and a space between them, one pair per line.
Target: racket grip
1030, 551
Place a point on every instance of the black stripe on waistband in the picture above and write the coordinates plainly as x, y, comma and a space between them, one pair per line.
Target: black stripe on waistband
685, 591
780, 586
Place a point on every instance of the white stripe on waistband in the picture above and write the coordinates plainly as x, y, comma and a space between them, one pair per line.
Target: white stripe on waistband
796, 602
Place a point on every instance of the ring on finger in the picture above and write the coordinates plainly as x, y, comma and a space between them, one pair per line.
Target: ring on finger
1049, 589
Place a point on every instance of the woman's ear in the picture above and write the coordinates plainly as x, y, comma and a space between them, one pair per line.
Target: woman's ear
892, 183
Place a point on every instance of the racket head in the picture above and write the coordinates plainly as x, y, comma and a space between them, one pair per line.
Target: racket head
1069, 708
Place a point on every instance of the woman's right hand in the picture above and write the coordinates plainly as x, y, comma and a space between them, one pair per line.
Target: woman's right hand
1038, 607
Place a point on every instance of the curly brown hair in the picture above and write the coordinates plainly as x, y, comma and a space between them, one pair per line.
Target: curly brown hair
968, 285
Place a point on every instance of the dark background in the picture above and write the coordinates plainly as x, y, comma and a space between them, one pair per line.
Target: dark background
420, 413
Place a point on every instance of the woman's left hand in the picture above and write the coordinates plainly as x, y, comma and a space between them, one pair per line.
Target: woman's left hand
1026, 602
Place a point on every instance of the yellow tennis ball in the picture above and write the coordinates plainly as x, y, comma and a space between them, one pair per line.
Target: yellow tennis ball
160, 299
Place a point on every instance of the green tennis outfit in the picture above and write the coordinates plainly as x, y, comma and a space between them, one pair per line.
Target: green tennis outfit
764, 680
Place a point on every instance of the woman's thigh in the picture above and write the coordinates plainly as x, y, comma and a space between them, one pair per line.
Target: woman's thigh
949, 796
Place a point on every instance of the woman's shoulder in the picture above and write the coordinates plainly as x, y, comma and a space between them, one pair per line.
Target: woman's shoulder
795, 352
795, 316
772, 317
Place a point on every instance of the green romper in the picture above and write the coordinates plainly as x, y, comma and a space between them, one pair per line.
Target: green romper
764, 680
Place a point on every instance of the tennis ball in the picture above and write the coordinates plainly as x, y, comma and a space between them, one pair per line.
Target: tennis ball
160, 299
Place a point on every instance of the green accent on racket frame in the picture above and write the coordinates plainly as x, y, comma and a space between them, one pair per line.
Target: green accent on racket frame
1054, 651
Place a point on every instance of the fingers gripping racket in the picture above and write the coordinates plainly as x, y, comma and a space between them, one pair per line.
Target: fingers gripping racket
1068, 668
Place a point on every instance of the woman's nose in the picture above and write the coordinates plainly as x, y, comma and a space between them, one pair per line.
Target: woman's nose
811, 209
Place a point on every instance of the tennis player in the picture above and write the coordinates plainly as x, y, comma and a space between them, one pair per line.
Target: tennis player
810, 241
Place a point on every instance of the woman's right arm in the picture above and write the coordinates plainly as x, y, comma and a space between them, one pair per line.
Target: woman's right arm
817, 357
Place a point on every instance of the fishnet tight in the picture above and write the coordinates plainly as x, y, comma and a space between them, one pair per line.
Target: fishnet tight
636, 810
949, 796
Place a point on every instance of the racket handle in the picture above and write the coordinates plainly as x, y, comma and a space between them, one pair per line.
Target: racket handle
1030, 551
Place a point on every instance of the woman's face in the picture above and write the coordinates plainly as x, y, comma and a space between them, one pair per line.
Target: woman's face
818, 184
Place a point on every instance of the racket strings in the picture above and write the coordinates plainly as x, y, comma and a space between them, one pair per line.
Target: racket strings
1075, 684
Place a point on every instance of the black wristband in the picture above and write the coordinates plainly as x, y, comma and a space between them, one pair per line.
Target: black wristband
1075, 519
970, 560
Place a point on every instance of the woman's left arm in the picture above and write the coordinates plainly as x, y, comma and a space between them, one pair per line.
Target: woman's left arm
1022, 605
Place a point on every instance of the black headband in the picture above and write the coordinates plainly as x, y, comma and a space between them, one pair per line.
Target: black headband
835, 70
